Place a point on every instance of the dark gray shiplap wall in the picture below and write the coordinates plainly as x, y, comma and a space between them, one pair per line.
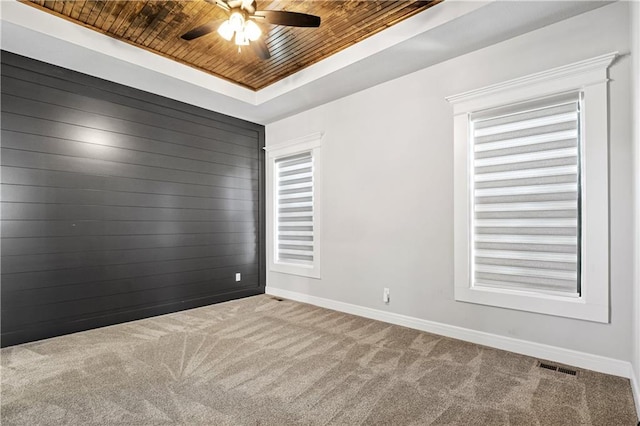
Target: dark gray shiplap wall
118, 204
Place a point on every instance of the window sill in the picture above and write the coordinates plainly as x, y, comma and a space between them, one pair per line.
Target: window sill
300, 270
563, 306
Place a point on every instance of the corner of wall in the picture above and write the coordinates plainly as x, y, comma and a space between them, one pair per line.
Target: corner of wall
635, 57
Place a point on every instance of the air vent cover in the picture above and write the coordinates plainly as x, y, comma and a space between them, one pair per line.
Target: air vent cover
558, 369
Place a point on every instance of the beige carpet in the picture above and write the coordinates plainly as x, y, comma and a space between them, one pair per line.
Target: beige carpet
259, 361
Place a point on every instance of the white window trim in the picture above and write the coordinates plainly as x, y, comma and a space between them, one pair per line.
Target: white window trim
311, 143
590, 78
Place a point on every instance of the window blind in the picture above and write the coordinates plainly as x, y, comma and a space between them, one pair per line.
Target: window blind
294, 209
526, 197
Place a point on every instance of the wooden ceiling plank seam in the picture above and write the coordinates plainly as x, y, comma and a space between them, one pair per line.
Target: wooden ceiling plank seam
160, 24
413, 12
58, 6
208, 43
234, 62
227, 57
375, 26
397, 20
68, 6
125, 24
104, 14
110, 19
49, 4
98, 5
239, 67
77, 9
90, 12
248, 56
142, 8
122, 13
86, 9
178, 44
161, 41
84, 12
154, 10
204, 47
159, 37
97, 11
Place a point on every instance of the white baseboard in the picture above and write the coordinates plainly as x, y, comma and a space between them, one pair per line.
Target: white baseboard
552, 353
635, 387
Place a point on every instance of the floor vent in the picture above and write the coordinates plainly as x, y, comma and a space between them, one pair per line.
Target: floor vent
558, 369
567, 371
277, 298
548, 366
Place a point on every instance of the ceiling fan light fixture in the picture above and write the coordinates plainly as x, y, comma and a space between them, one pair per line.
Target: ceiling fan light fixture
241, 24
241, 39
236, 21
252, 30
225, 30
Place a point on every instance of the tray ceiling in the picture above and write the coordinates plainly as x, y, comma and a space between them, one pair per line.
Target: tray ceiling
157, 25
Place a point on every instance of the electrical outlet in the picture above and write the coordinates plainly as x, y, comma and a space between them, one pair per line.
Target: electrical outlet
385, 295
238, 276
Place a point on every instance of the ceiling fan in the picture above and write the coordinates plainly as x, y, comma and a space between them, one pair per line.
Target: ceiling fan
242, 16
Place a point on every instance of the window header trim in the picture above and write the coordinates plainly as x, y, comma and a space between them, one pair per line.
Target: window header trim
565, 78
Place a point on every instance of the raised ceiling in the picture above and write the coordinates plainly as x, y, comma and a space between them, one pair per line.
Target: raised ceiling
156, 26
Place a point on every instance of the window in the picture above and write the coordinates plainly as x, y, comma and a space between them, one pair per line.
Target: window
531, 193
525, 198
293, 201
294, 209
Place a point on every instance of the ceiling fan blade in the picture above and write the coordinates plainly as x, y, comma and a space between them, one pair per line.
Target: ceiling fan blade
260, 49
205, 29
220, 3
290, 19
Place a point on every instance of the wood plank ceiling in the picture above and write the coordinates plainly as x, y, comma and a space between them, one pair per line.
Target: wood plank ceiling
156, 26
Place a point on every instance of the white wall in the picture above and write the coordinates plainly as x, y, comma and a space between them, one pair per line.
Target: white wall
635, 57
388, 188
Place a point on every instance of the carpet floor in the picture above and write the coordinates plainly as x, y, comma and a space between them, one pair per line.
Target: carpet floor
260, 361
